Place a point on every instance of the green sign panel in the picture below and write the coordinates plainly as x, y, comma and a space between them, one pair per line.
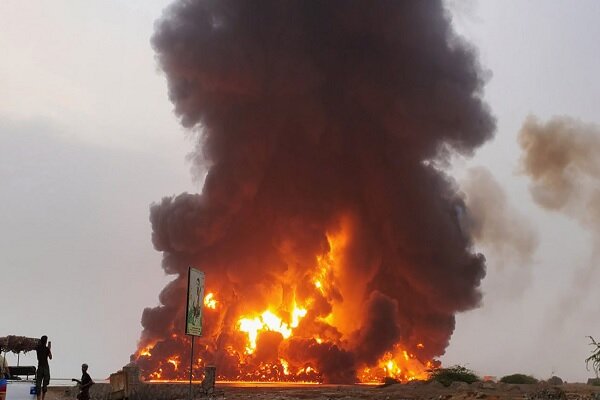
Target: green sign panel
195, 302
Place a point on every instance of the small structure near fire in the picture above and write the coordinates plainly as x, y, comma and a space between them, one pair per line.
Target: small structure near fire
18, 344
124, 382
210, 376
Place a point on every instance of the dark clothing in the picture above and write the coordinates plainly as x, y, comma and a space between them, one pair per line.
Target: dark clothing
42, 379
42, 376
43, 353
86, 382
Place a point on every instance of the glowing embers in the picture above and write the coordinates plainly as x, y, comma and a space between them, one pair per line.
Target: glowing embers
277, 372
285, 365
268, 321
174, 361
145, 352
156, 375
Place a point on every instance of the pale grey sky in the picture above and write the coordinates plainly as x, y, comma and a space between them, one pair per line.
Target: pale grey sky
88, 141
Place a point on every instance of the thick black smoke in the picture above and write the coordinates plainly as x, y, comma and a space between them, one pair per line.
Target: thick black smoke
316, 117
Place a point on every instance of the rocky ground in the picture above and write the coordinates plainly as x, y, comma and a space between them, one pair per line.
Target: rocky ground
431, 391
411, 391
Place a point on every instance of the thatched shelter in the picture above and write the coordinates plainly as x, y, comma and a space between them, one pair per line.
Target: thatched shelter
18, 344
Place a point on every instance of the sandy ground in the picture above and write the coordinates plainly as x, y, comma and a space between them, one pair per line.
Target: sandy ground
414, 391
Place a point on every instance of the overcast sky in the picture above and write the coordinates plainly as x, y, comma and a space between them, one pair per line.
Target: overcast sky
88, 141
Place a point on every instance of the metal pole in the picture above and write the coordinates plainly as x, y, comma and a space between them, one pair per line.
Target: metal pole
191, 365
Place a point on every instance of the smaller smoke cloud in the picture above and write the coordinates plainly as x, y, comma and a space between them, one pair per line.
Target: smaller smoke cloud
562, 159
507, 236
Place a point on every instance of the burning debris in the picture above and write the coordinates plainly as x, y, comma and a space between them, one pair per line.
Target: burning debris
330, 240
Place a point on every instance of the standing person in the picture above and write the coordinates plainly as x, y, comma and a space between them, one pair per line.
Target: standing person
4, 371
42, 376
84, 384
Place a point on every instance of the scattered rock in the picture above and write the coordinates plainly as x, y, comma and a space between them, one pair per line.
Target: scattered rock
480, 395
550, 393
435, 384
459, 385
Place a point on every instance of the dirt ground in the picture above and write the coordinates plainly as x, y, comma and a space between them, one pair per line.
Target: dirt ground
411, 391
487, 391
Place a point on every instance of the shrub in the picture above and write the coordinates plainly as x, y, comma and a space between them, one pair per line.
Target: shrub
594, 359
593, 381
518, 379
456, 373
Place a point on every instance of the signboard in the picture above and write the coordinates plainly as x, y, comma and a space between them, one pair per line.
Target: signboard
195, 302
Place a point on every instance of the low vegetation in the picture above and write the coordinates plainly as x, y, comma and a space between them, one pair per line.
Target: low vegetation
456, 373
518, 379
594, 359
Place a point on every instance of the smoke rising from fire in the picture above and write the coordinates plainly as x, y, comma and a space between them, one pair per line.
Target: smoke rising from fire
562, 159
320, 125
504, 233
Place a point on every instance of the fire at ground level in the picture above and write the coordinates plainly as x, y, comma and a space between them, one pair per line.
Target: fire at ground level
399, 365
288, 340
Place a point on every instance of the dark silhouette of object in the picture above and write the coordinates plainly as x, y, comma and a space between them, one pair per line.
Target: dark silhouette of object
42, 377
4, 370
84, 384
16, 372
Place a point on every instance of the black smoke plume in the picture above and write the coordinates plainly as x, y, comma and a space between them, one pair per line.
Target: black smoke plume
315, 118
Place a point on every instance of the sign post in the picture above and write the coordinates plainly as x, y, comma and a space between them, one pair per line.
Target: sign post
193, 313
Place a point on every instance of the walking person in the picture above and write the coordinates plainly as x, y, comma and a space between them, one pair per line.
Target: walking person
84, 384
42, 376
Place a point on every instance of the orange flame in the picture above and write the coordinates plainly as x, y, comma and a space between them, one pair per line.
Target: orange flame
146, 352
210, 301
285, 317
174, 362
